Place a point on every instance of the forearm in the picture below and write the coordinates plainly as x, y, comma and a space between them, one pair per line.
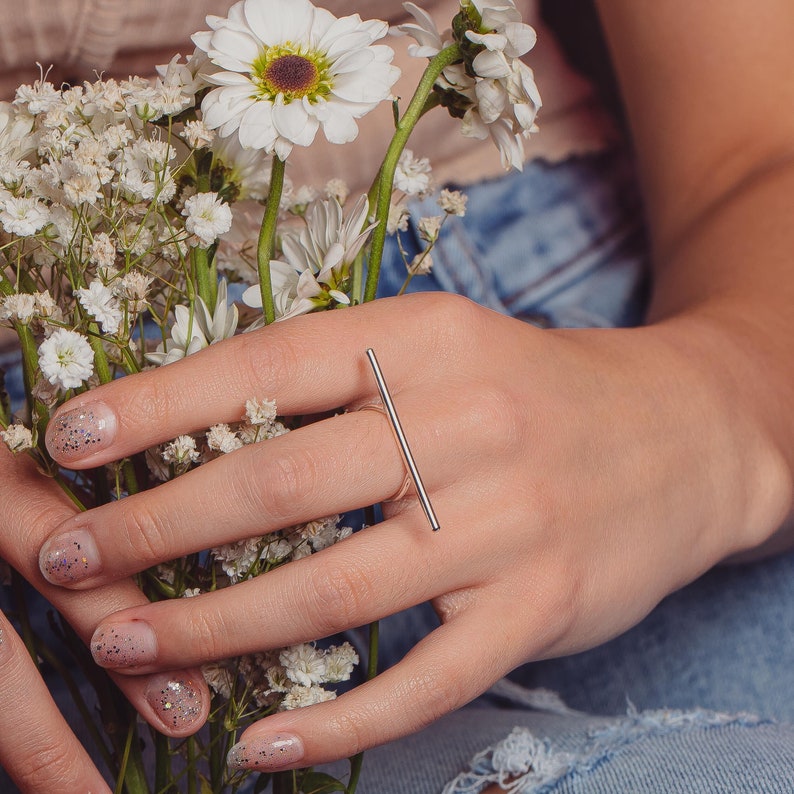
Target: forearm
725, 294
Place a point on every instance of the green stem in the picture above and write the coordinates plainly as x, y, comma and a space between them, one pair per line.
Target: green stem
357, 761
413, 113
205, 276
162, 763
267, 238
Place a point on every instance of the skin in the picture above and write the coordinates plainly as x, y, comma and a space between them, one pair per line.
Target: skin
579, 476
40, 753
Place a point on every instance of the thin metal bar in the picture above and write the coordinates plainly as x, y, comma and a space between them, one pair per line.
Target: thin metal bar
391, 412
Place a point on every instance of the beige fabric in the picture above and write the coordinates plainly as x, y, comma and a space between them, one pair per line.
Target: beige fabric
123, 37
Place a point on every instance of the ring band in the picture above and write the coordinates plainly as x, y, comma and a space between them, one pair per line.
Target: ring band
391, 413
406, 483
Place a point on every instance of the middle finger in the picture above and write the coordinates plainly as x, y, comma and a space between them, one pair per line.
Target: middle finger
332, 466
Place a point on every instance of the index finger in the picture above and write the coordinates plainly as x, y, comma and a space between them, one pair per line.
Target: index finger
308, 364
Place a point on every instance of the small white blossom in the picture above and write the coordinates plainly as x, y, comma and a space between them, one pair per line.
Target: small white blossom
20, 306
300, 696
413, 174
17, 437
23, 216
221, 438
189, 335
197, 135
134, 288
304, 664
66, 359
100, 303
102, 251
453, 202
399, 215
421, 264
339, 663
207, 217
181, 451
260, 412
338, 189
219, 678
430, 227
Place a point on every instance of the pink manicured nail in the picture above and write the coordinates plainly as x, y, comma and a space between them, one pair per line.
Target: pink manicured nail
177, 700
267, 753
77, 434
130, 644
70, 557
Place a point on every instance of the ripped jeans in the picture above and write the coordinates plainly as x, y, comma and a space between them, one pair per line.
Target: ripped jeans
697, 698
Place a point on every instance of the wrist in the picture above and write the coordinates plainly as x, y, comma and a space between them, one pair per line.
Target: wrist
744, 390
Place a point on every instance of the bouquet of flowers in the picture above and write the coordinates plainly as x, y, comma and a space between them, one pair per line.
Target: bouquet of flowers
128, 212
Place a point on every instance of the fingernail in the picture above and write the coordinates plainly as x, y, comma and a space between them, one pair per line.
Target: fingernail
130, 644
266, 754
70, 557
76, 434
178, 701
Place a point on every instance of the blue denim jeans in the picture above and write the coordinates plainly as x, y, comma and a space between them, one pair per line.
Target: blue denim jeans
697, 698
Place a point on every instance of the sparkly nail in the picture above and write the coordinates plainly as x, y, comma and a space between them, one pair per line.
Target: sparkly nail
70, 557
266, 754
131, 644
79, 433
177, 700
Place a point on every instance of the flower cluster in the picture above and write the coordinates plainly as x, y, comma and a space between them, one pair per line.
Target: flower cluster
492, 90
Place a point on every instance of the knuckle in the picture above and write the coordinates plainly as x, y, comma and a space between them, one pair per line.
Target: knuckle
340, 594
144, 402
144, 531
258, 358
496, 417
285, 479
49, 768
434, 693
355, 727
208, 632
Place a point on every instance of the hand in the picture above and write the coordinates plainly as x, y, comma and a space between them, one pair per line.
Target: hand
31, 506
38, 749
578, 476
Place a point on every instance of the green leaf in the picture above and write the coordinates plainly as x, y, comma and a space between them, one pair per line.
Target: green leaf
320, 783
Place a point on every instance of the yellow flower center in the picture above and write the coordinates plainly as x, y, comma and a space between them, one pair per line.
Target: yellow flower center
287, 71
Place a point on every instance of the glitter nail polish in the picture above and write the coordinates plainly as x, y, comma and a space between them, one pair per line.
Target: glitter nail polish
267, 753
131, 644
70, 557
77, 434
177, 700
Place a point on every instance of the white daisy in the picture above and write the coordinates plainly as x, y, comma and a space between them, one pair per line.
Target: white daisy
289, 68
189, 335
66, 359
319, 259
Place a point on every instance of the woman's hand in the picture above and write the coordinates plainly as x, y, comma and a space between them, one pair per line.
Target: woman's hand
578, 476
31, 506
37, 748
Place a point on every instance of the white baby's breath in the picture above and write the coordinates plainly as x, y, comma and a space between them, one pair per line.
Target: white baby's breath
17, 437
100, 303
413, 174
207, 217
